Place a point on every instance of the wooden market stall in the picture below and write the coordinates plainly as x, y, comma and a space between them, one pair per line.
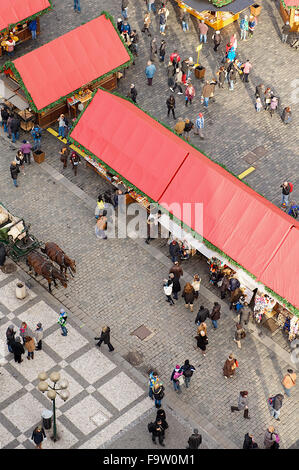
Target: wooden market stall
289, 10
15, 17
60, 76
218, 13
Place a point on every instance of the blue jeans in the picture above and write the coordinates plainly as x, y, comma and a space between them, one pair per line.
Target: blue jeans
162, 28
64, 330
15, 182
203, 37
15, 136
33, 33
5, 126
285, 199
215, 324
9, 348
125, 13
176, 386
61, 131
30, 354
287, 391
231, 84
150, 392
185, 26
158, 402
243, 33
206, 102
274, 413
187, 381
152, 6
36, 144
77, 5
174, 259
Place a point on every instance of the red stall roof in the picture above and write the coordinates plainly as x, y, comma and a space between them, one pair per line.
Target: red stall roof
291, 3
132, 143
71, 61
15, 11
282, 273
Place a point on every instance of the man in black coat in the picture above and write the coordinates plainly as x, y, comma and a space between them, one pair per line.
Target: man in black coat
105, 337
17, 349
133, 93
194, 440
203, 314
14, 170
159, 432
174, 250
4, 116
15, 127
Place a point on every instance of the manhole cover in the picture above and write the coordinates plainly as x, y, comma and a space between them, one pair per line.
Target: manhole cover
9, 268
135, 358
260, 151
142, 332
250, 158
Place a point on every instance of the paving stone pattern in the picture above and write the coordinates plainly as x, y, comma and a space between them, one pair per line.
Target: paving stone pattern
119, 282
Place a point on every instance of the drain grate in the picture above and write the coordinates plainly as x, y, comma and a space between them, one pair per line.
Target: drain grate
260, 151
142, 332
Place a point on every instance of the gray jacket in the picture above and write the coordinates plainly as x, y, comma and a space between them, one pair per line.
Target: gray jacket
245, 314
242, 402
269, 438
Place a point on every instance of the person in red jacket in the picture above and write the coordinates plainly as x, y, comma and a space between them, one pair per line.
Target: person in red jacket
189, 94
175, 59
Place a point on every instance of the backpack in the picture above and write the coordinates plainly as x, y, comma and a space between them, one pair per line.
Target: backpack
291, 187
151, 427
188, 373
270, 401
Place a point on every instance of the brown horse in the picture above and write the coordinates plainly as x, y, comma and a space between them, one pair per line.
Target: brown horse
46, 269
55, 253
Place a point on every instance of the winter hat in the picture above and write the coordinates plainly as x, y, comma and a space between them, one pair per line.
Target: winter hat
11, 327
62, 310
177, 366
200, 114
18, 339
24, 141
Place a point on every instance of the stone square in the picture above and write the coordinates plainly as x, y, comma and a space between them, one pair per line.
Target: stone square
74, 387
93, 365
66, 438
250, 158
8, 385
24, 413
81, 414
39, 313
8, 295
90, 389
62, 345
120, 391
5, 436
31, 368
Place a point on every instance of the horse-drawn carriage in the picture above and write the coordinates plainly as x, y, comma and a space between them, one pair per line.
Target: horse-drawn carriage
14, 234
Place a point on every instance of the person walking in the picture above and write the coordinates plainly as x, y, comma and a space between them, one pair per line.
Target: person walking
64, 153
124, 8
175, 273
289, 381
206, 93
153, 49
244, 28
285, 31
20, 161
230, 366
158, 432
26, 150
215, 315
271, 438
62, 319
268, 96
242, 404
174, 251
105, 337
232, 78
273, 105
153, 379
75, 160
14, 170
247, 66
36, 133
38, 436
194, 440
30, 346
275, 404
188, 370
221, 77
23, 331
150, 71
286, 115
15, 128
9, 120
188, 128
146, 24
202, 327
202, 341
162, 20
239, 334
10, 337
158, 392
162, 50
217, 38
249, 442
244, 314
224, 286
286, 190
196, 285
167, 287
77, 6
189, 296
178, 81
189, 94
101, 225
4, 117
39, 334
18, 349
170, 103
175, 59
177, 378
185, 17
258, 105
133, 93
202, 315
203, 31
161, 416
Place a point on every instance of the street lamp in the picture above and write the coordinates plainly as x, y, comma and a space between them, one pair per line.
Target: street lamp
58, 388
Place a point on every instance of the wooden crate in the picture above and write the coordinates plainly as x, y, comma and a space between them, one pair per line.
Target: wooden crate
39, 157
255, 9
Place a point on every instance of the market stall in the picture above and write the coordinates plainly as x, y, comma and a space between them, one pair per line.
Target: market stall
218, 13
60, 76
15, 17
289, 10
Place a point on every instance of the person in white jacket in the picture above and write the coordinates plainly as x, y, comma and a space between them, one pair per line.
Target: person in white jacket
167, 286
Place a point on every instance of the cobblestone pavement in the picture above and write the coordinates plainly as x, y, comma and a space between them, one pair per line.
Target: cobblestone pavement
119, 282
233, 129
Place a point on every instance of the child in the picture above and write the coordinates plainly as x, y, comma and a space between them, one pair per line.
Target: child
258, 105
23, 331
39, 333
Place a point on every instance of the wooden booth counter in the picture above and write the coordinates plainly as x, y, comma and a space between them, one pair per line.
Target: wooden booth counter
289, 10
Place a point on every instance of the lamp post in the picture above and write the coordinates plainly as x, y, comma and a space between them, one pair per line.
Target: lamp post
58, 388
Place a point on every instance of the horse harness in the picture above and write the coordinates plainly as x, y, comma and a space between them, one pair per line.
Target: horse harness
62, 259
51, 268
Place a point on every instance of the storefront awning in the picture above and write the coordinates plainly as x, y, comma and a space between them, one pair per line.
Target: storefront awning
60, 67
16, 11
205, 5
130, 142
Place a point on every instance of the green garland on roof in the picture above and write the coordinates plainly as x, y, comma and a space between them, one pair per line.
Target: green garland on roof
30, 18
290, 307
61, 100
283, 301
